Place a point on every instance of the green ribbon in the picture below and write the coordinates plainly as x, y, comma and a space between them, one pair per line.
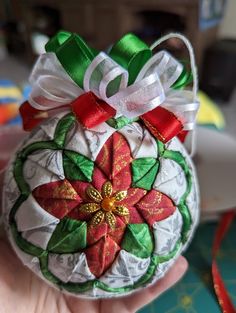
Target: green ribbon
73, 53
130, 52
184, 79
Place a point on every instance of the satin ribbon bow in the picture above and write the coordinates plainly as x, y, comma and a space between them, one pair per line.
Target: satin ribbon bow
129, 82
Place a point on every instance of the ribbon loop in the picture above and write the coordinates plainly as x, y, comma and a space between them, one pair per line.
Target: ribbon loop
91, 111
131, 53
56, 41
51, 86
139, 98
105, 77
73, 53
166, 66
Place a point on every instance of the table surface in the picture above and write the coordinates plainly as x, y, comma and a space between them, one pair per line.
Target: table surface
194, 293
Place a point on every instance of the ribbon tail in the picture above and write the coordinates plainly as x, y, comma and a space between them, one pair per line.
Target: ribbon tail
222, 294
163, 124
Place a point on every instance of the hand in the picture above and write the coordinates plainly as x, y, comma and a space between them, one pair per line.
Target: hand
22, 291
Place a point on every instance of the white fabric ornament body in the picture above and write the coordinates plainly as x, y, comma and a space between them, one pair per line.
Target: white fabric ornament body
50, 230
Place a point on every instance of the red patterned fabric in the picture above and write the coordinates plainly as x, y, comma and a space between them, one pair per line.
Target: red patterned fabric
155, 206
58, 198
113, 164
101, 255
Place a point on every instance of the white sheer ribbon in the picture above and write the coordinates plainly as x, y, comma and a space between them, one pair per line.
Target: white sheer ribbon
53, 89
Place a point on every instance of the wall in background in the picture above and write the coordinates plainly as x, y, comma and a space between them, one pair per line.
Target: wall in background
228, 25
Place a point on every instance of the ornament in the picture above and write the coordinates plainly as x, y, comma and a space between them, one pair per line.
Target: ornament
101, 205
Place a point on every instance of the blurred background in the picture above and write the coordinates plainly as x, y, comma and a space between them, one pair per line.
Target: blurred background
25, 27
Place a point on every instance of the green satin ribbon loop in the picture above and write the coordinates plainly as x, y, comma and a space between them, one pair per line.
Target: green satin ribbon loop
185, 78
56, 41
73, 53
131, 53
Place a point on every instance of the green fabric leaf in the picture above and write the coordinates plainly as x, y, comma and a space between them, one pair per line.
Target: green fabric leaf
120, 122
68, 237
144, 172
138, 240
62, 129
77, 167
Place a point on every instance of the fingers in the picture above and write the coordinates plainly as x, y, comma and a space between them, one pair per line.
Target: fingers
77, 305
145, 296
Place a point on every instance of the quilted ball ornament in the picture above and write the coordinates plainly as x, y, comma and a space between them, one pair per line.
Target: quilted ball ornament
98, 211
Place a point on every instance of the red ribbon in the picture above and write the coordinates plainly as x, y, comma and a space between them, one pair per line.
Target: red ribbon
31, 117
91, 111
88, 109
163, 124
219, 286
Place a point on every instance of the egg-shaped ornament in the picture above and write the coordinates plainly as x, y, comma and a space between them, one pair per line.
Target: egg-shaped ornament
102, 196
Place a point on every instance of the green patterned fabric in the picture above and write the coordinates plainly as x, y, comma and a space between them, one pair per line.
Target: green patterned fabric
144, 172
138, 240
68, 237
77, 166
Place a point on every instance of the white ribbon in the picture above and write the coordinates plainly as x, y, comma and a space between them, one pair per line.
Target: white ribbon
54, 89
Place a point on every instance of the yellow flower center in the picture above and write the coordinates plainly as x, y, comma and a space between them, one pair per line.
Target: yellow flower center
108, 204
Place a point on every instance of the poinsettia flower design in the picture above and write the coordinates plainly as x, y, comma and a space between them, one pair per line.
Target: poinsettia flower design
108, 203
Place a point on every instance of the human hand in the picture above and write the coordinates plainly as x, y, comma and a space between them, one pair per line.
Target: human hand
22, 291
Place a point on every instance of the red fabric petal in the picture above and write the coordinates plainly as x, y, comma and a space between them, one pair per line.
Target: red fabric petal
114, 160
134, 195
134, 216
61, 189
155, 206
77, 214
96, 233
80, 188
101, 255
122, 180
98, 179
58, 198
118, 232
121, 154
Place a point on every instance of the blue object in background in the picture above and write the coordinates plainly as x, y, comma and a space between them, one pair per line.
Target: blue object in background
11, 93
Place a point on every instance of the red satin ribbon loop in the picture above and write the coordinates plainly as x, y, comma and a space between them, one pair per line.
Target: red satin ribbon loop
162, 123
91, 111
31, 117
